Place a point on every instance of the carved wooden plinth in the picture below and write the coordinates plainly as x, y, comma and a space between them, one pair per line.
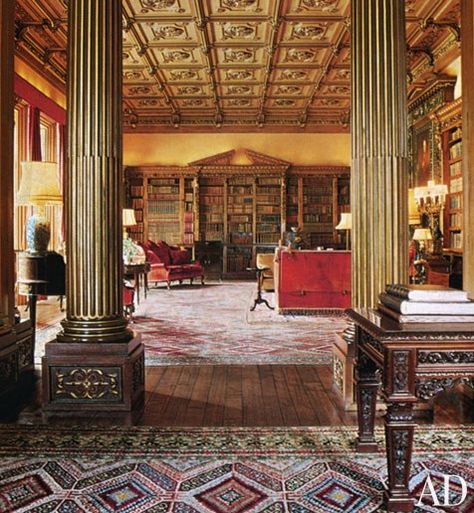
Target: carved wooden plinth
9, 375
101, 378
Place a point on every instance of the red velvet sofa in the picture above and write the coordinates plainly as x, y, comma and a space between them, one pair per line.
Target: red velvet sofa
170, 263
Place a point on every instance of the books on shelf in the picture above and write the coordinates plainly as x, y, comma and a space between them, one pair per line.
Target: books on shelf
418, 304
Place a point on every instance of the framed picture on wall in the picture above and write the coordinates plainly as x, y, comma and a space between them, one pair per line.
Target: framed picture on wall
423, 158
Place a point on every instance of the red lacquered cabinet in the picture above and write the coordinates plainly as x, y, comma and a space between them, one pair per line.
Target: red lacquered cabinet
312, 280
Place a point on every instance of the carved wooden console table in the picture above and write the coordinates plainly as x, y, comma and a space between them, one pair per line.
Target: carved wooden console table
413, 364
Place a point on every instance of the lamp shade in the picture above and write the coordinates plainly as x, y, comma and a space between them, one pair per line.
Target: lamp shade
39, 184
128, 217
422, 234
346, 222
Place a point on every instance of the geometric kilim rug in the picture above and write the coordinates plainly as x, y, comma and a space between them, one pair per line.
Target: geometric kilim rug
218, 470
212, 324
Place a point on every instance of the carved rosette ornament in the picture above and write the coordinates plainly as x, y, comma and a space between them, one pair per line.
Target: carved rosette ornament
300, 55
177, 56
232, 31
88, 384
184, 75
321, 5
160, 5
303, 31
168, 31
239, 5
289, 74
239, 75
238, 55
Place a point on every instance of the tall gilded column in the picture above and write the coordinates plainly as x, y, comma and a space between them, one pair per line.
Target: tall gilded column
379, 186
96, 363
8, 353
467, 49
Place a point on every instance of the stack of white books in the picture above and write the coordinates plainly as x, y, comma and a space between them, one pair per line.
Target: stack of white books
426, 304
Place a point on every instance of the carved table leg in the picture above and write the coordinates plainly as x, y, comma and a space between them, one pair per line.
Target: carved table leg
367, 387
399, 429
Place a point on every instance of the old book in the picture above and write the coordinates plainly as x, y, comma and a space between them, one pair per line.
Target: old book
436, 293
405, 306
423, 319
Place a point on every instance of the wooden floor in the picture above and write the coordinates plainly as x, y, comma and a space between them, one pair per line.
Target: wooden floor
237, 395
242, 395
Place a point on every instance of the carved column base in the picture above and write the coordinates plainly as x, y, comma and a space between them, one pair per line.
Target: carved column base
100, 378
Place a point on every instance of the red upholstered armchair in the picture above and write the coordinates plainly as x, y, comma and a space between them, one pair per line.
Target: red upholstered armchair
170, 263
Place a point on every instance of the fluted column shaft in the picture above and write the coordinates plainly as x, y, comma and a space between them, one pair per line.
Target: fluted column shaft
379, 194
6, 166
94, 173
467, 49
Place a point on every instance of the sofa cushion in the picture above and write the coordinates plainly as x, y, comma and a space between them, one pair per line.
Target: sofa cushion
162, 251
180, 256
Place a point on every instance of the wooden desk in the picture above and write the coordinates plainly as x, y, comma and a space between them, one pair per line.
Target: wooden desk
414, 364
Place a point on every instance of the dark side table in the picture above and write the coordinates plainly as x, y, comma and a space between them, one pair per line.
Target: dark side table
259, 299
138, 272
414, 364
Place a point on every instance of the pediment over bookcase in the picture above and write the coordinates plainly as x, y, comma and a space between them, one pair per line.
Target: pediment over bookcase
241, 157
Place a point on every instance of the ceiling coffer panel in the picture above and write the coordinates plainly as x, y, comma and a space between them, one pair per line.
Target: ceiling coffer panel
237, 64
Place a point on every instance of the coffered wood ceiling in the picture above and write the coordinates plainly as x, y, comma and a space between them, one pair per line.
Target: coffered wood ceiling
238, 65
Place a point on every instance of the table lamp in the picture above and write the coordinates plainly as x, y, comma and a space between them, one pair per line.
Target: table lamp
423, 236
346, 224
39, 187
128, 219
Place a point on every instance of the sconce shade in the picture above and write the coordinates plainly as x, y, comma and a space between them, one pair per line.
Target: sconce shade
422, 234
346, 222
39, 184
128, 217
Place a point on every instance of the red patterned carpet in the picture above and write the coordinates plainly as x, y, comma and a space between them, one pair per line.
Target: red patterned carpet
212, 324
272, 470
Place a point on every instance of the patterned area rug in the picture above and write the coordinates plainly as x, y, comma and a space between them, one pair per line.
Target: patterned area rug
270, 470
212, 324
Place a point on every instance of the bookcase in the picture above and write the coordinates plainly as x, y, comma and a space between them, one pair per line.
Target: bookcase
240, 209
452, 176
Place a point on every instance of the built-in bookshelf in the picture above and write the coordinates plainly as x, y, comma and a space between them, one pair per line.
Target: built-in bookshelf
452, 158
211, 208
242, 211
136, 201
268, 209
163, 202
292, 202
318, 208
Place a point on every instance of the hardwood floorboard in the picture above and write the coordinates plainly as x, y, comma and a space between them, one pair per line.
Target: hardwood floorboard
214, 409
233, 414
194, 415
273, 416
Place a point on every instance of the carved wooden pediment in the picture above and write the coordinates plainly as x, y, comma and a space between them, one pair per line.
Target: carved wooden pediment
241, 157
